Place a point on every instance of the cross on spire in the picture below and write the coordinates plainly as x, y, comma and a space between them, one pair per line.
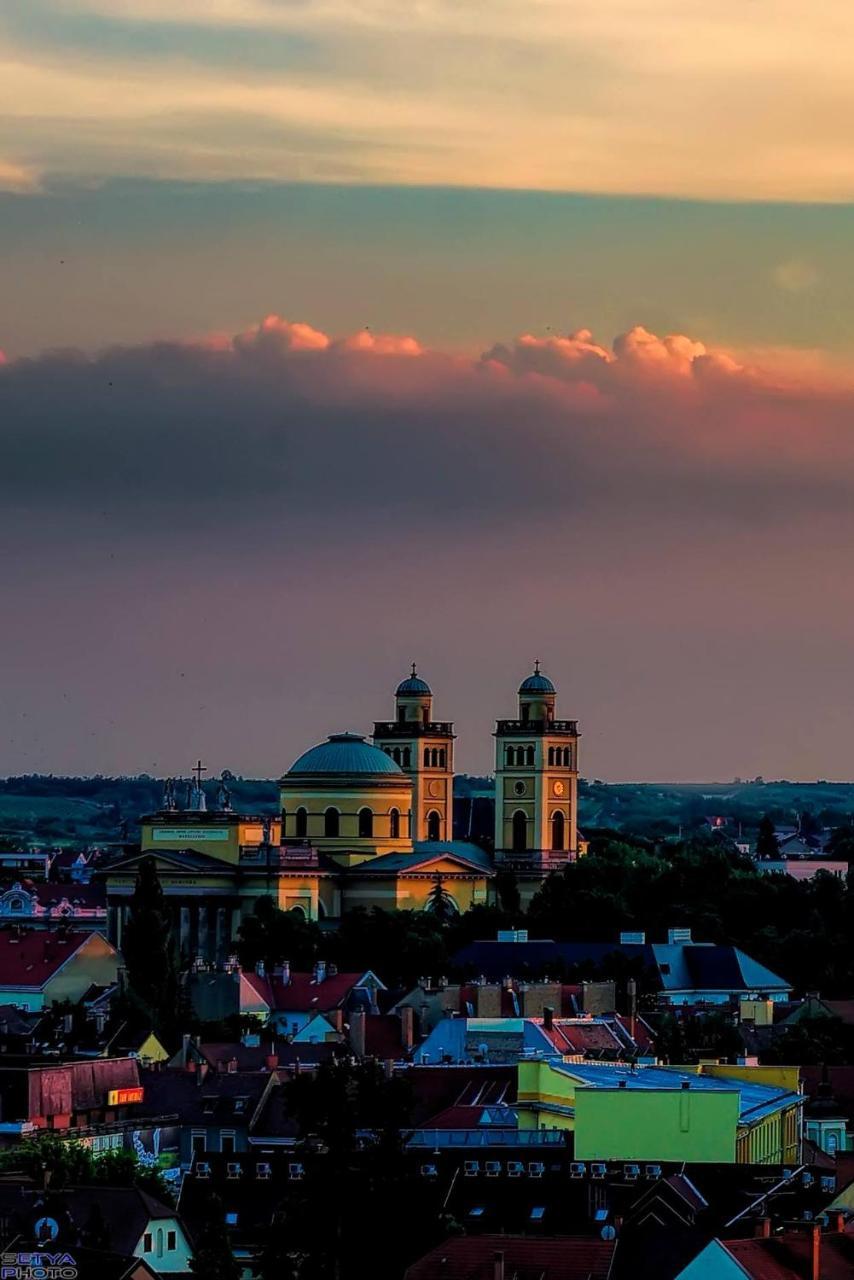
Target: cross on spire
536, 666
414, 673
198, 769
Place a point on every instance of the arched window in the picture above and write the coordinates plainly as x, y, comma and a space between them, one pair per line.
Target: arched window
396, 754
301, 817
407, 757
557, 829
394, 824
401, 715
16, 904
434, 822
520, 831
160, 1242
331, 824
425, 715
426, 758
366, 823
567, 756
434, 758
511, 755
530, 755
551, 755
443, 758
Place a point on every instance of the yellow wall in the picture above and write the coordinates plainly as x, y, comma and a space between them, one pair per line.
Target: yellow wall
216, 834
349, 848
776, 1077
656, 1124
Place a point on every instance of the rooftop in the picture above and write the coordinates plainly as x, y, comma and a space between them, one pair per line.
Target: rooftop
345, 753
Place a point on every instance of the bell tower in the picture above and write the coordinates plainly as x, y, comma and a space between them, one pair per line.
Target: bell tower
424, 748
536, 783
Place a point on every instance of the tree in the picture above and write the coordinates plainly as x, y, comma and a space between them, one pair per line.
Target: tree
440, 903
96, 1230
212, 1258
271, 935
507, 888
766, 839
149, 952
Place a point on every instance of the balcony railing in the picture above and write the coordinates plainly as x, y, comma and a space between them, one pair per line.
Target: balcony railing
533, 727
414, 729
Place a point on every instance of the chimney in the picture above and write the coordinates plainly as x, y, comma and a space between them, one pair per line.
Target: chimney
763, 1229
498, 1265
407, 1028
357, 1032
271, 1061
232, 1066
332, 970
835, 1220
319, 971
260, 969
286, 972
548, 1017
336, 1017
814, 1229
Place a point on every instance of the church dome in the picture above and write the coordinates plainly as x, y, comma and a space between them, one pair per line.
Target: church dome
345, 753
537, 683
413, 687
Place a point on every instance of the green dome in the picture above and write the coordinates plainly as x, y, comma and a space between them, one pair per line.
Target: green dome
344, 753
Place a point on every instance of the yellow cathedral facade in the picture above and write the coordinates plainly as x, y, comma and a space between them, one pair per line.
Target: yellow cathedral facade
365, 823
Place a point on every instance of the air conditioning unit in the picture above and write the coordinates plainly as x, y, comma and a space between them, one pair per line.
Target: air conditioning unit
264, 1171
598, 1170
296, 1171
653, 1170
233, 1170
493, 1168
471, 1168
203, 1169
429, 1171
577, 1169
631, 1172
536, 1169
515, 1168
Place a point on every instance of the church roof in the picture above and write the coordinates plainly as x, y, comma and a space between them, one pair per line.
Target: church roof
425, 852
344, 753
537, 683
413, 686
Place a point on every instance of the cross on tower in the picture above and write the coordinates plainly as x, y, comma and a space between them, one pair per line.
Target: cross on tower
536, 666
413, 669
198, 769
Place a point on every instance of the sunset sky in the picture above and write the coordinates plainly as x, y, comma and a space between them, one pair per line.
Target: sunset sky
342, 333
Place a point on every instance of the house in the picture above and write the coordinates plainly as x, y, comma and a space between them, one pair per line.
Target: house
136, 1225
725, 1114
501, 1257
808, 1254
94, 1101
47, 966
680, 970
509, 1039
509, 998
43, 904
209, 1111
288, 1001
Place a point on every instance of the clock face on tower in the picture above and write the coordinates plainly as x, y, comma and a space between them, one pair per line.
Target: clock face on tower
435, 789
558, 788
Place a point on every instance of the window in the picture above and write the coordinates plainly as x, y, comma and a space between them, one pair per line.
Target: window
301, 817
148, 1243
426, 758
529, 756
160, 1242
227, 1144
557, 830
407, 757
171, 1241
394, 824
551, 755
434, 823
16, 904
401, 715
331, 824
366, 824
443, 758
396, 755
200, 1146
511, 755
520, 831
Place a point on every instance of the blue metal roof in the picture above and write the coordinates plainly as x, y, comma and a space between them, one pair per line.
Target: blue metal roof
413, 687
755, 1100
537, 683
426, 851
345, 753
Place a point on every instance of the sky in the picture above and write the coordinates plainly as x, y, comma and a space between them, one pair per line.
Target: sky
340, 334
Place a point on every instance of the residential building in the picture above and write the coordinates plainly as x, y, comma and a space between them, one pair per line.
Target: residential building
41, 967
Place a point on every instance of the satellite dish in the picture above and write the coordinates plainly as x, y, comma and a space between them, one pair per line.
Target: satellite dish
608, 1232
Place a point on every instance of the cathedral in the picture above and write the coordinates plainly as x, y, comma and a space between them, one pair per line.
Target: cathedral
365, 822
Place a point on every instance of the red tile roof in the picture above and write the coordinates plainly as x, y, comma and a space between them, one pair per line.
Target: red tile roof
788, 1256
570, 1036
29, 960
302, 994
525, 1258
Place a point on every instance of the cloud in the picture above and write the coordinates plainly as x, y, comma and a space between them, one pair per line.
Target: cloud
466, 94
367, 425
17, 179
